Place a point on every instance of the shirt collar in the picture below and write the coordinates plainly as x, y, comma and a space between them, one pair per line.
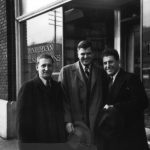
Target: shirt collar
83, 66
44, 81
114, 76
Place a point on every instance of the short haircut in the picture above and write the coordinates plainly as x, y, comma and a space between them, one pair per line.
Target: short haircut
44, 55
110, 52
84, 44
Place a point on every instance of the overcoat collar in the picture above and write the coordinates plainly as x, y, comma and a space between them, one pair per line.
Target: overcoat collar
78, 70
40, 84
94, 76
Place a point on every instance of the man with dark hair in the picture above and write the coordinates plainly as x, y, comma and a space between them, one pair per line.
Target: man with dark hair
121, 123
84, 84
40, 112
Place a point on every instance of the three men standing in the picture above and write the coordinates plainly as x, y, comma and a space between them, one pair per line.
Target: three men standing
114, 120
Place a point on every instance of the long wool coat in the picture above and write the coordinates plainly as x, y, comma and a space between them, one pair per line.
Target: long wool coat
129, 100
85, 98
40, 114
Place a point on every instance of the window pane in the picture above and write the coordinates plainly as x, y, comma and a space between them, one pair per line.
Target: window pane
137, 53
146, 13
91, 24
42, 34
146, 51
32, 5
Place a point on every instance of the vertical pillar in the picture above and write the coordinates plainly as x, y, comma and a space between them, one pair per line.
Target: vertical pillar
141, 39
117, 31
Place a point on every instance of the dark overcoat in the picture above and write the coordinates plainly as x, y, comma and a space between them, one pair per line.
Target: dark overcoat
129, 99
40, 114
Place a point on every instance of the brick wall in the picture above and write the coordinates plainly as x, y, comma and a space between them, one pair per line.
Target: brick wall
3, 52
11, 50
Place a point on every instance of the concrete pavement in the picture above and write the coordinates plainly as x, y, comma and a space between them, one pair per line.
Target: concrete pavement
8, 144
12, 144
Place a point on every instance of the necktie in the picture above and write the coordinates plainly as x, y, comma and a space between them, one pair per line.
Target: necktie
110, 83
87, 71
48, 83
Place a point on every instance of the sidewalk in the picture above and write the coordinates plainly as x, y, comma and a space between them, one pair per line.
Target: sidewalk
12, 144
8, 144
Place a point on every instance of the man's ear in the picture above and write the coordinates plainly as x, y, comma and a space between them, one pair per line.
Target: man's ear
119, 63
77, 52
36, 67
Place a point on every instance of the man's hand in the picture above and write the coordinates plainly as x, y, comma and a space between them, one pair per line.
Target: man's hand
69, 127
108, 106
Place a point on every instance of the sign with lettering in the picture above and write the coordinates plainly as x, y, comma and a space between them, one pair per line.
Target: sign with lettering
55, 50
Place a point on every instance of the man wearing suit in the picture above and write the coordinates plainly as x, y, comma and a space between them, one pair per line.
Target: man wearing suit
121, 123
84, 84
40, 112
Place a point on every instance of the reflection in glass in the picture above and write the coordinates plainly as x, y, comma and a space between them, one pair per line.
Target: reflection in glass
137, 53
42, 34
146, 53
146, 13
32, 5
146, 45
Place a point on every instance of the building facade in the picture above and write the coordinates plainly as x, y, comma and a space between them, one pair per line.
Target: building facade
31, 27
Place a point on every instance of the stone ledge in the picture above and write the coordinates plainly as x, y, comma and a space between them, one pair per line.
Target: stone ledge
7, 119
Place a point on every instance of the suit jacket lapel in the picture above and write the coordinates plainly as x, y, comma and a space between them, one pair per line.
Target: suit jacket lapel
117, 84
78, 71
38, 82
93, 76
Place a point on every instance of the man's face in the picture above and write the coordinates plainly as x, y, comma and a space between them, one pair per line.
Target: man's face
85, 56
110, 64
45, 68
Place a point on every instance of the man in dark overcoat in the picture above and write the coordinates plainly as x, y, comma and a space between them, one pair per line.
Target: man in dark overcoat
40, 111
120, 124
84, 85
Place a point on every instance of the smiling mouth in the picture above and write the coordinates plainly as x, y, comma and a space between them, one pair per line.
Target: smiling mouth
86, 60
108, 70
46, 73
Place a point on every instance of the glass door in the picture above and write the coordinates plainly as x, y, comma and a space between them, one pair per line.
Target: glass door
146, 54
96, 25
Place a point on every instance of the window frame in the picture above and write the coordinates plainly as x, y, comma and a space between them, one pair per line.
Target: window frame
22, 18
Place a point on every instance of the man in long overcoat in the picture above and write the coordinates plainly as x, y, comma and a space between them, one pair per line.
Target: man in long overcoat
40, 111
84, 84
121, 123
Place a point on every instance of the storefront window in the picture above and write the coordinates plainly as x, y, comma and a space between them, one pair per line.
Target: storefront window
28, 6
91, 24
137, 53
42, 34
146, 49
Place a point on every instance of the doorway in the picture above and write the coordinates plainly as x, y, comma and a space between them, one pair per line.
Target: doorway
130, 37
96, 25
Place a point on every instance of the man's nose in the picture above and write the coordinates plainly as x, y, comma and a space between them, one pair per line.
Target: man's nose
107, 64
85, 56
46, 67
